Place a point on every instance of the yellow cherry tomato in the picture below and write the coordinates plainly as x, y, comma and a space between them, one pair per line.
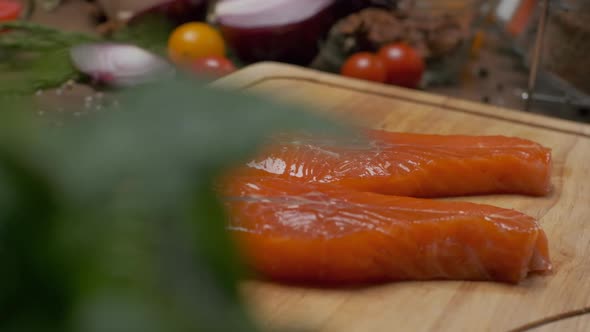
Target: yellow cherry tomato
194, 40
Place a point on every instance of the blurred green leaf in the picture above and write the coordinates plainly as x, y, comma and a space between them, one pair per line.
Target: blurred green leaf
150, 32
34, 57
111, 223
49, 71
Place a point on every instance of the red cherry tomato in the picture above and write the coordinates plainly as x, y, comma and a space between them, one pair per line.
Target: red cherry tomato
405, 66
365, 66
10, 10
212, 66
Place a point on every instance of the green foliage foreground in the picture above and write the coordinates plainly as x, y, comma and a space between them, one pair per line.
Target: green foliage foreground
110, 223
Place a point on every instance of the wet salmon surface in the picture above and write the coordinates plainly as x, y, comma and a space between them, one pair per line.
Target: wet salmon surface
309, 209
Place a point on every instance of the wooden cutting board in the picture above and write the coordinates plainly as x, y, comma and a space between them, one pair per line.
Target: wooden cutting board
558, 302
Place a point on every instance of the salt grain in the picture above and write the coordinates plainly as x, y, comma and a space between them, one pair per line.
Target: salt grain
70, 83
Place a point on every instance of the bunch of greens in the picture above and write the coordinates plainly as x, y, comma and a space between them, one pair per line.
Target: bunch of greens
35, 57
111, 223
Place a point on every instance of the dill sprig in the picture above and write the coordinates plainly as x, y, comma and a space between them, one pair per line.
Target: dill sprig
35, 57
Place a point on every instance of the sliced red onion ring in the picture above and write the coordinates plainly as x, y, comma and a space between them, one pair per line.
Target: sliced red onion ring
276, 30
263, 13
119, 64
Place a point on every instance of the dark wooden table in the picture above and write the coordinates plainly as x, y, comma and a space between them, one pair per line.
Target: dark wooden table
496, 77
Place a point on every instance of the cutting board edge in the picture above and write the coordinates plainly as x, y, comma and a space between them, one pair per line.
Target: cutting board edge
263, 71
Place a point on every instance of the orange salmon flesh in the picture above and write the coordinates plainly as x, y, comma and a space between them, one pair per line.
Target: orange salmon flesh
308, 210
412, 164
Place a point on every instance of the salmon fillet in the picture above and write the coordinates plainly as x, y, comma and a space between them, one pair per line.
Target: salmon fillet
300, 232
412, 164
320, 210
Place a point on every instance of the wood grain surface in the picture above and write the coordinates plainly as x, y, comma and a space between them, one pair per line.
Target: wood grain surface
558, 302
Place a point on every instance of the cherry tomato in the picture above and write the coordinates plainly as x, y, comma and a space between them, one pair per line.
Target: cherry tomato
10, 10
365, 66
194, 40
213, 66
405, 66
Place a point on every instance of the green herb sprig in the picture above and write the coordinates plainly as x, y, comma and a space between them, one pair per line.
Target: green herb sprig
35, 57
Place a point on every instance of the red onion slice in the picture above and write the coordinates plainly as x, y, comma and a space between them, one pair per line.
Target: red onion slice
119, 64
274, 30
261, 13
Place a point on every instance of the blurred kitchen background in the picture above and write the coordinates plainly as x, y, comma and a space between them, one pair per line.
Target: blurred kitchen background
529, 55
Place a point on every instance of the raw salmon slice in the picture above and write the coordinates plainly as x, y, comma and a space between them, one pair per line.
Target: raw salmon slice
291, 231
412, 164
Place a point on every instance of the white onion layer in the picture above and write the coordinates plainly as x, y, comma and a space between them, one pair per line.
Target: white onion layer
119, 64
263, 13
